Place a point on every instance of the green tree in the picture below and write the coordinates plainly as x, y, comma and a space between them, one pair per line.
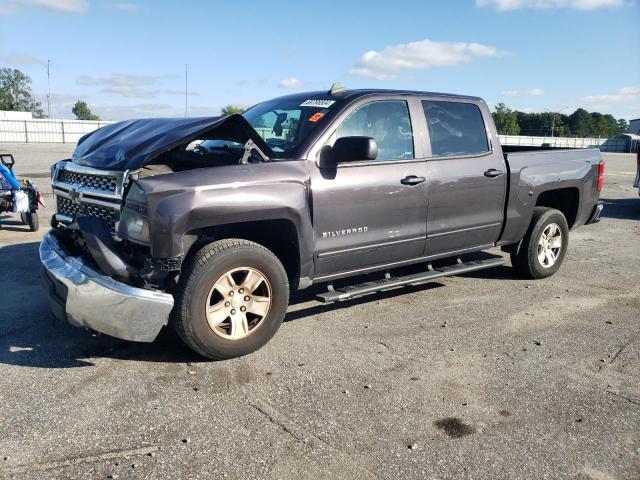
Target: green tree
82, 111
559, 127
622, 126
231, 109
506, 120
581, 123
15, 93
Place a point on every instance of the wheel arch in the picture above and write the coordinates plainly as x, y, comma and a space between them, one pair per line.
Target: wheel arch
279, 235
566, 200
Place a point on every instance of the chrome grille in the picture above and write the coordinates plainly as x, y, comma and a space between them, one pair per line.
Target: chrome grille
69, 209
97, 182
88, 191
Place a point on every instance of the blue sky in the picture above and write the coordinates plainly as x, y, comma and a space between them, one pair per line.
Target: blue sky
127, 58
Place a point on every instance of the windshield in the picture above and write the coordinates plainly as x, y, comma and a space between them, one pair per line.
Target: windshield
285, 124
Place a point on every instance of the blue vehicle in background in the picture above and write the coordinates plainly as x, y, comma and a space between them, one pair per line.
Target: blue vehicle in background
18, 197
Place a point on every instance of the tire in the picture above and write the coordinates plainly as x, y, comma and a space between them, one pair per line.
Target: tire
33, 221
527, 259
204, 285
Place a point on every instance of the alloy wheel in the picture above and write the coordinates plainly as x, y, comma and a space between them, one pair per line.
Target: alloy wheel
550, 245
238, 303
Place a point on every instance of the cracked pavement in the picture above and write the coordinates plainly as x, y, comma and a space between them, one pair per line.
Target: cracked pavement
479, 376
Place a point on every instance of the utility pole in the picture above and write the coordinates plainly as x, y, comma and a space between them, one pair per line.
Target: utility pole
186, 88
49, 86
553, 118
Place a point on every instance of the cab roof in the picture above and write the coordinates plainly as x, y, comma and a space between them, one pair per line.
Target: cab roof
352, 94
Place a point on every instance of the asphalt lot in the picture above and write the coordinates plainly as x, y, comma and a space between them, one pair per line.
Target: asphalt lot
484, 375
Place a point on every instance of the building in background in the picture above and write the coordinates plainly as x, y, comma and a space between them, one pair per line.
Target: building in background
634, 126
630, 143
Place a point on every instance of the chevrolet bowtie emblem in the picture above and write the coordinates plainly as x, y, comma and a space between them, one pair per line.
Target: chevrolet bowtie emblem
75, 196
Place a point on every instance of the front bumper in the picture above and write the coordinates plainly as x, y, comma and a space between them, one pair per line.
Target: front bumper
87, 298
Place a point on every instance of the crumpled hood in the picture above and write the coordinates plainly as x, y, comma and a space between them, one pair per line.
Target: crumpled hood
133, 143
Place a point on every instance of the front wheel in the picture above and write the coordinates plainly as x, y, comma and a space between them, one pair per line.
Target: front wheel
231, 299
544, 246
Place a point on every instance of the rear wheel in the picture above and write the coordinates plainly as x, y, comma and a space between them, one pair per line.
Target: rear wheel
231, 299
544, 246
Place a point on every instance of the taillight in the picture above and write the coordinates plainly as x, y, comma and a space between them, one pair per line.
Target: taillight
600, 176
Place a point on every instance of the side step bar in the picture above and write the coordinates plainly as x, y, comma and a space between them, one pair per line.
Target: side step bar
349, 292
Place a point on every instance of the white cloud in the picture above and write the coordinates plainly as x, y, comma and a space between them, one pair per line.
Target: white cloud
291, 82
119, 80
504, 5
534, 92
383, 64
625, 94
9, 7
21, 59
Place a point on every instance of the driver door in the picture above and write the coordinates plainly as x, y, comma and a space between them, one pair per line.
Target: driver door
371, 213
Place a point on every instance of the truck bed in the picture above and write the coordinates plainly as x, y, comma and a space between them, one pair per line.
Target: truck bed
532, 173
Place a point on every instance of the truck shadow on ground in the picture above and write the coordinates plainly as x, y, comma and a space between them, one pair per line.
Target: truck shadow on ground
31, 337
621, 208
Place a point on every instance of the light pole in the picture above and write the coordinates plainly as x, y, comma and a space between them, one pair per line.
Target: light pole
553, 119
186, 88
49, 89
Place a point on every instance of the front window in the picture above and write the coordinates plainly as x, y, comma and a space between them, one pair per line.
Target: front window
387, 122
285, 124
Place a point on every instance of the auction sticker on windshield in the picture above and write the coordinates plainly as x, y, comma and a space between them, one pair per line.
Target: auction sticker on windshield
316, 116
317, 103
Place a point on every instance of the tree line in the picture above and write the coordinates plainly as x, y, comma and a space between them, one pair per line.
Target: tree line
580, 123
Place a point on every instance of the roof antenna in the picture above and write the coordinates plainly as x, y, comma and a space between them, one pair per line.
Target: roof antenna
336, 88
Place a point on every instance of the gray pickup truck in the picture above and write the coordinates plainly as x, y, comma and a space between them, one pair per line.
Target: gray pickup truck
208, 223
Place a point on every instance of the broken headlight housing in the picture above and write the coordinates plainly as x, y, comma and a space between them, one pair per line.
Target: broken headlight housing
134, 224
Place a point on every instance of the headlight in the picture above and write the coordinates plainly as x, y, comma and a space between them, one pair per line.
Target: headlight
134, 224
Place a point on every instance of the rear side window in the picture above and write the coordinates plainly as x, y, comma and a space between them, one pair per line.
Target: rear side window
386, 121
455, 128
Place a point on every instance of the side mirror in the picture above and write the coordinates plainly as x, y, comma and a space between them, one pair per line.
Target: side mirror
7, 160
353, 149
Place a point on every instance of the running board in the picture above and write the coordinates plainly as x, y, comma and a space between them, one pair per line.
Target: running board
351, 291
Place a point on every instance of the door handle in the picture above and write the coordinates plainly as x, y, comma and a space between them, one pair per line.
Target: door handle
492, 172
412, 180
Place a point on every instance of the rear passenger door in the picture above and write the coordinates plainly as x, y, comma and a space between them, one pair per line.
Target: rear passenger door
467, 179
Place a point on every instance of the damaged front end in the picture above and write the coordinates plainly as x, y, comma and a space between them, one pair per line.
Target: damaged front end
99, 267
102, 212
97, 221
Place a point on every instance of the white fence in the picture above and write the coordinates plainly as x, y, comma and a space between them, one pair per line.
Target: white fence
604, 144
46, 131
70, 131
